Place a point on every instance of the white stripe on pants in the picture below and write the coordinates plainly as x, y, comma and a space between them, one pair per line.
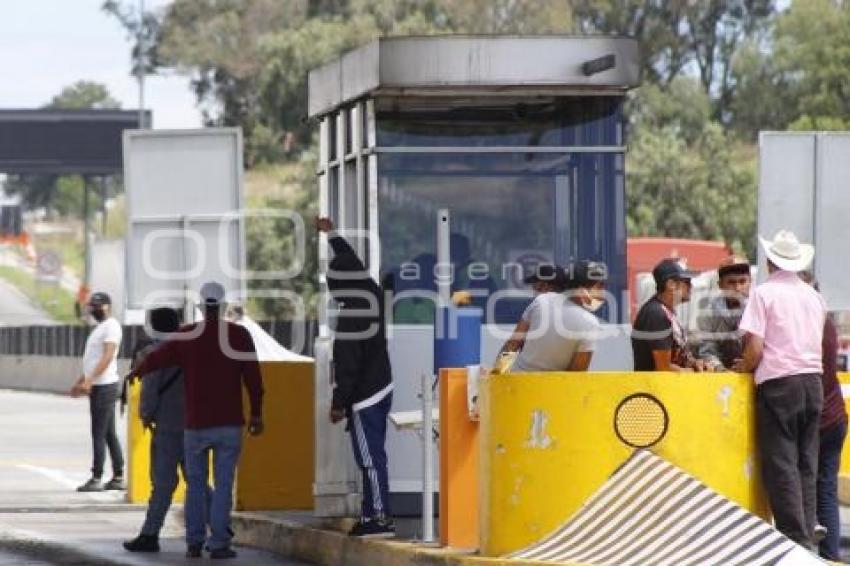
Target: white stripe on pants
366, 458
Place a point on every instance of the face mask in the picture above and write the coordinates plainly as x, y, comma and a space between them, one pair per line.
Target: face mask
589, 302
594, 305
98, 314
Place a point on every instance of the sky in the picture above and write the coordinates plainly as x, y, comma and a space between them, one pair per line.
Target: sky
46, 45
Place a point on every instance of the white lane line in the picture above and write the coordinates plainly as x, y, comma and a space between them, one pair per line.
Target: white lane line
71, 481
53, 474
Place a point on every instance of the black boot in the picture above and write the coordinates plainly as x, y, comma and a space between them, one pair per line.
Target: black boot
223, 553
143, 543
194, 550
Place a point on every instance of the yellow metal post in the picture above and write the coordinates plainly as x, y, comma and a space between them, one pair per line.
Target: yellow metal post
139, 453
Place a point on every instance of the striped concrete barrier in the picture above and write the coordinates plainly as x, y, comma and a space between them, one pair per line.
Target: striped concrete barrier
652, 512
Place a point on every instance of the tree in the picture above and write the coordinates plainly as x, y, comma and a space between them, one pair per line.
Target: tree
143, 30
682, 107
657, 24
248, 59
84, 94
674, 34
764, 98
36, 191
717, 29
270, 243
812, 56
685, 177
219, 45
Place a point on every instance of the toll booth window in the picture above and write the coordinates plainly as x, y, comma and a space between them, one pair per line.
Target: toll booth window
510, 209
488, 250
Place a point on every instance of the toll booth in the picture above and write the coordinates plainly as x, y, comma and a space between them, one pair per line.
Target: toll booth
522, 139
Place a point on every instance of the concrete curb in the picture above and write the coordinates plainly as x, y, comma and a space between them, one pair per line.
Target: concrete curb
81, 508
51, 551
295, 540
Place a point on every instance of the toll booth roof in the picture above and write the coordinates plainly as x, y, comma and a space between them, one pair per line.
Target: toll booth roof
481, 65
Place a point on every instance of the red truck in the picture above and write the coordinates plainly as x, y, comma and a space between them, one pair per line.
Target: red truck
644, 253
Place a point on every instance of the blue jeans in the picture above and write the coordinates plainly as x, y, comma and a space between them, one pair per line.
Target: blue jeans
166, 458
368, 429
225, 443
829, 457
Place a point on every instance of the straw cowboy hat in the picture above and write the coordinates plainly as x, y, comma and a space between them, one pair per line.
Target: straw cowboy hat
786, 252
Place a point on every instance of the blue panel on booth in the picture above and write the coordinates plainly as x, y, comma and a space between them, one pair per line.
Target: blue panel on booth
457, 337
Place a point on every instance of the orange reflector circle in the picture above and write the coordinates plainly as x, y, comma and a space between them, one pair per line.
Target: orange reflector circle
640, 420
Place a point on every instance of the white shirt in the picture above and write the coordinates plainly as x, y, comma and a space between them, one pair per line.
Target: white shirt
558, 329
107, 331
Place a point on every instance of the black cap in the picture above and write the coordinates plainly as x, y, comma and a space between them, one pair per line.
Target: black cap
671, 269
585, 272
548, 273
100, 298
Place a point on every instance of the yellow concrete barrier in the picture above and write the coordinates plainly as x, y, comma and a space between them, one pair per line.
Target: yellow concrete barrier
276, 468
139, 453
549, 440
844, 466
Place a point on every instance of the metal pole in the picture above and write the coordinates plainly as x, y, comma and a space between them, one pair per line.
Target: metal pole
140, 63
86, 231
427, 461
103, 218
444, 259
188, 305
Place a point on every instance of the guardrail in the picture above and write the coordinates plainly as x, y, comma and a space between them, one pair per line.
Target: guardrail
70, 340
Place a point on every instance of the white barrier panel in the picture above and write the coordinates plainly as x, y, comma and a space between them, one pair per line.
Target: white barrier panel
185, 225
832, 217
803, 187
786, 186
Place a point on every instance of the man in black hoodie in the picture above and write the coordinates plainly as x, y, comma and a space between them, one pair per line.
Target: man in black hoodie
363, 387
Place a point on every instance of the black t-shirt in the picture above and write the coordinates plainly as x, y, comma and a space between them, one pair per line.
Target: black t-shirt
652, 330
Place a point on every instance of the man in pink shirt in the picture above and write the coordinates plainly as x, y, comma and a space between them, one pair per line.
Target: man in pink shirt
783, 322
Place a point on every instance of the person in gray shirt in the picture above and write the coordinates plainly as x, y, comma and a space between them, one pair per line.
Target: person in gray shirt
719, 342
558, 330
161, 409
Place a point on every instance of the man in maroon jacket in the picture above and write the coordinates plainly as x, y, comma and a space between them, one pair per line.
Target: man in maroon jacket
216, 357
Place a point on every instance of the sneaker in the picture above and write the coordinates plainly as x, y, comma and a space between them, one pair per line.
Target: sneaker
222, 553
142, 543
820, 533
194, 550
373, 528
115, 484
94, 484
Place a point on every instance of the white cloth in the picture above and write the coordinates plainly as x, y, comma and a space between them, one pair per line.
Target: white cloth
107, 331
268, 349
558, 329
374, 399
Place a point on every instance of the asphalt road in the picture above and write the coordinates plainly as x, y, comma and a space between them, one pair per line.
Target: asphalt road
8, 559
17, 310
43, 520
